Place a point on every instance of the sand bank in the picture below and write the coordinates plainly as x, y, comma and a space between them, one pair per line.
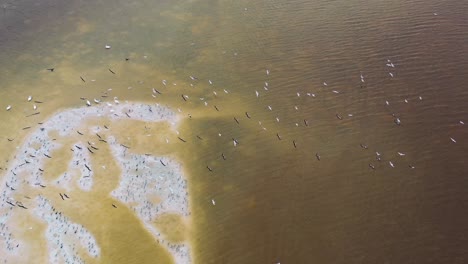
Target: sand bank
153, 175
150, 186
63, 236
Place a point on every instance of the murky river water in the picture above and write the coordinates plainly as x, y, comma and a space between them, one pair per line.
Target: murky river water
304, 184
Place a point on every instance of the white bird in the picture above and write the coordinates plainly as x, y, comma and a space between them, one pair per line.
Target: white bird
8, 108
406, 100
88, 103
335, 91
256, 93
401, 154
397, 121
226, 91
116, 100
461, 122
266, 84
34, 107
277, 119
29, 98
267, 72
213, 202
324, 83
164, 82
96, 101
453, 140
387, 103
210, 81
107, 46
391, 74
420, 98
298, 94
391, 164
269, 107
234, 142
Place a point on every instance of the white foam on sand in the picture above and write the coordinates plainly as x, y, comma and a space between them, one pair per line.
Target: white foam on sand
142, 177
80, 162
9, 245
26, 169
64, 238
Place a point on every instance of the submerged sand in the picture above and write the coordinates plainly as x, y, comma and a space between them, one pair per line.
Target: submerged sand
148, 185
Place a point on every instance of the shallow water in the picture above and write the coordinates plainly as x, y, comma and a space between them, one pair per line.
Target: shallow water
274, 202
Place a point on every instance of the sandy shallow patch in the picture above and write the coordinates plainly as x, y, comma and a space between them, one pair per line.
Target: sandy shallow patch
150, 186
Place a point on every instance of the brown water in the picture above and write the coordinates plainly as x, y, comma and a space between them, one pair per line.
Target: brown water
274, 202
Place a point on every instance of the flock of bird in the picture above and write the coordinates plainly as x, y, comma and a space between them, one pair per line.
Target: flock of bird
378, 155
158, 93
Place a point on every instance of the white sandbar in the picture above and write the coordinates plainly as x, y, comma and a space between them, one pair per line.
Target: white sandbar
142, 178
